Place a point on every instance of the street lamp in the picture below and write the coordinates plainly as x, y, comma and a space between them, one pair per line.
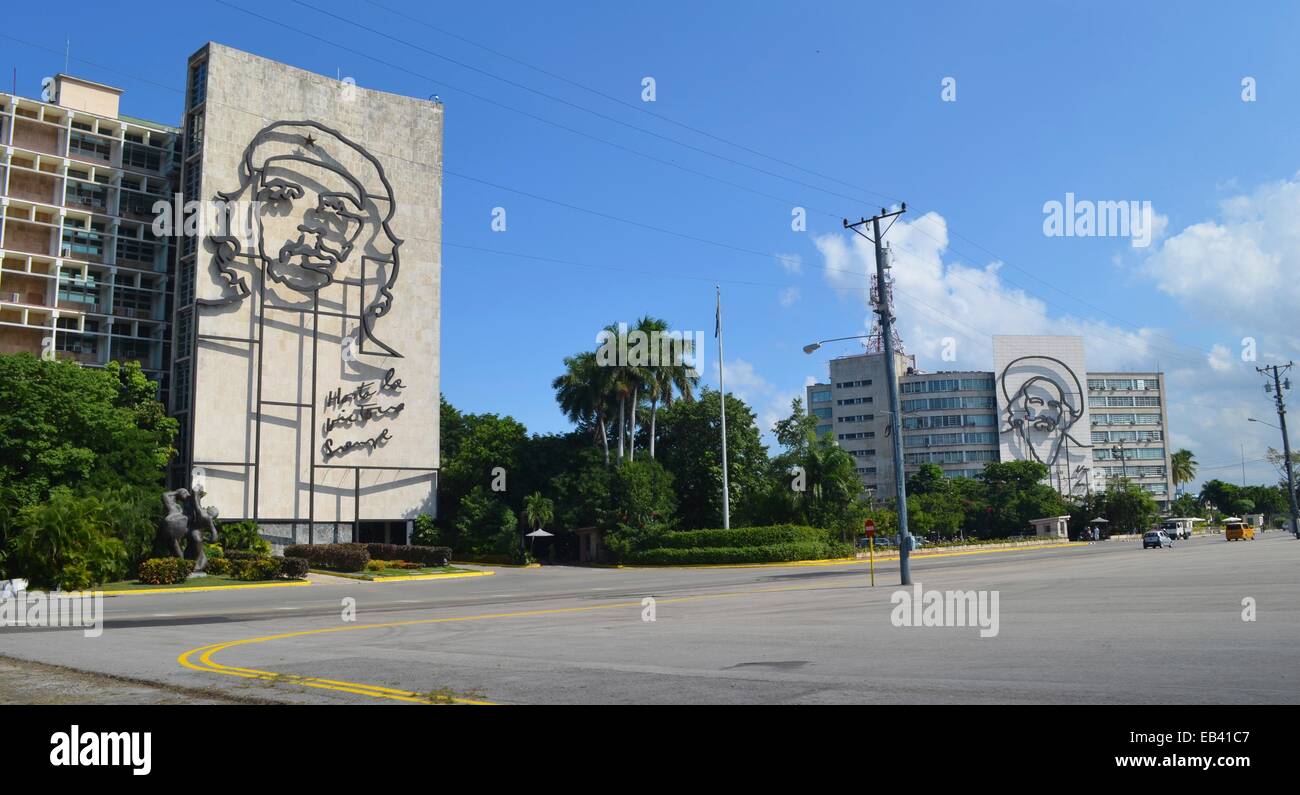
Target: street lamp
813, 346
1261, 422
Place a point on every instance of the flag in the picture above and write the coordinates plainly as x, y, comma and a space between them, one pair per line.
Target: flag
717, 317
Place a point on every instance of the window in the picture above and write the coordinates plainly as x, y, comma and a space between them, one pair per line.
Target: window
1144, 401
198, 83
821, 396
73, 288
856, 418
822, 414
854, 401
143, 157
90, 145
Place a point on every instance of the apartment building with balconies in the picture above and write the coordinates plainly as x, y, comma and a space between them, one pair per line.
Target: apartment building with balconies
82, 274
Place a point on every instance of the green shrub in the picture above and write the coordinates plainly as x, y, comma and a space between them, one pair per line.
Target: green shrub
770, 553
336, 557
425, 532
67, 543
424, 555
377, 565
165, 571
293, 568
218, 566
744, 537
254, 569
243, 537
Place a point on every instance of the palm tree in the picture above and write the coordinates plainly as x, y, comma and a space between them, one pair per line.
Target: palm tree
583, 392
1182, 468
539, 511
661, 379
627, 381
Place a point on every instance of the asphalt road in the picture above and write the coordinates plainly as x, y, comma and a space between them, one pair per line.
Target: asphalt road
1102, 623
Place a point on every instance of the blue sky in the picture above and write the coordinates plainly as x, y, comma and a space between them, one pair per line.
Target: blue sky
1107, 101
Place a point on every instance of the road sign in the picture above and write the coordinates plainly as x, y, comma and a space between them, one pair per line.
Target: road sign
870, 527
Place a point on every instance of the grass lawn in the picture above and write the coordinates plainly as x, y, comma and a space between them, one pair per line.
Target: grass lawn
212, 580
382, 573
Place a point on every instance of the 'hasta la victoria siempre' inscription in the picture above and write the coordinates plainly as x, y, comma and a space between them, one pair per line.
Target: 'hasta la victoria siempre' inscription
357, 408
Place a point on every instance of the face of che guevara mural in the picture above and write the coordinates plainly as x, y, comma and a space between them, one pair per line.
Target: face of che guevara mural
317, 207
1041, 411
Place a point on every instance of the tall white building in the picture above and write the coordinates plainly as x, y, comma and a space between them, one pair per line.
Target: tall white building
1038, 403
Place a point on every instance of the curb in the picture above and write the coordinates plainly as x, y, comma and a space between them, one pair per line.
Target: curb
851, 561
188, 589
424, 577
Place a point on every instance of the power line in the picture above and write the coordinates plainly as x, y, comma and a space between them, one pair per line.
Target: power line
660, 136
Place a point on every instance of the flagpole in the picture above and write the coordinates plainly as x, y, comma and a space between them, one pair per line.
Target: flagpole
722, 400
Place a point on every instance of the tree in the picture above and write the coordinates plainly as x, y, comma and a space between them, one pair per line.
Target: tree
1182, 467
692, 452
485, 452
1129, 507
1217, 495
80, 432
91, 430
485, 524
1016, 494
583, 392
538, 510
667, 379
814, 481
928, 479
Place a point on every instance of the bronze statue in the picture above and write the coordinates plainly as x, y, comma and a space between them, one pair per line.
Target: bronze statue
187, 518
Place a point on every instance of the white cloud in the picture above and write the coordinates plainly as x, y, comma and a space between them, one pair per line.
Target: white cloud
935, 299
769, 402
788, 297
1220, 359
1240, 268
1210, 394
793, 263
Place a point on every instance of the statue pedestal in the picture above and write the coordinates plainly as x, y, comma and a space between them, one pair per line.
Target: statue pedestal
196, 575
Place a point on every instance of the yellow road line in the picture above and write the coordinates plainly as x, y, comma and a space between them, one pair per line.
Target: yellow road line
206, 664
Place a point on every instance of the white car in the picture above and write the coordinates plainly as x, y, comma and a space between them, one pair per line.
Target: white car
1157, 539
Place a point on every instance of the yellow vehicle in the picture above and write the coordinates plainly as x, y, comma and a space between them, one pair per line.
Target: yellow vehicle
1235, 529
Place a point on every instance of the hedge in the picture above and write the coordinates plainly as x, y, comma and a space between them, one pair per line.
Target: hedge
768, 553
255, 569
411, 553
338, 557
744, 537
165, 571
293, 568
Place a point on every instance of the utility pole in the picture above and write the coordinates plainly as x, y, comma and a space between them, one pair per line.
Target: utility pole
885, 312
1276, 389
722, 401
1122, 454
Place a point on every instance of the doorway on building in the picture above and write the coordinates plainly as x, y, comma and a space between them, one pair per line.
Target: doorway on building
382, 532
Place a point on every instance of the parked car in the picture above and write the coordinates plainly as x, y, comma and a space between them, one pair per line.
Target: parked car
1157, 539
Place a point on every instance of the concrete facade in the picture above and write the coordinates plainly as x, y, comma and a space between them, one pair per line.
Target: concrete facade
83, 276
307, 329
